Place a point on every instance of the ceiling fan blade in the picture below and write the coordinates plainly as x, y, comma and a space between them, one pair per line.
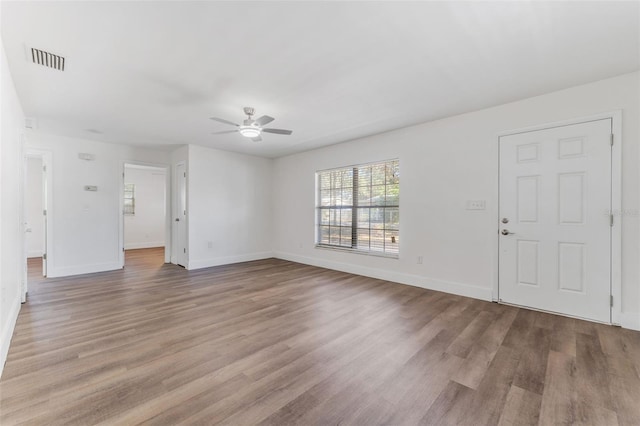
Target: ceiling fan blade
256, 139
278, 131
222, 120
225, 131
265, 119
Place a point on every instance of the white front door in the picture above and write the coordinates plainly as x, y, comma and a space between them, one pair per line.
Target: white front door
181, 215
555, 229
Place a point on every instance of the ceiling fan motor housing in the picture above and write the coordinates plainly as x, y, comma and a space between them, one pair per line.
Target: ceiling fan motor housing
251, 128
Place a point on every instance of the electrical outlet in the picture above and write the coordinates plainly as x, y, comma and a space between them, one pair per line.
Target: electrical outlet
476, 204
419, 260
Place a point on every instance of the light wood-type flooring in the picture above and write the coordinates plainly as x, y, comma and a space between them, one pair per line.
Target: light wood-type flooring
273, 342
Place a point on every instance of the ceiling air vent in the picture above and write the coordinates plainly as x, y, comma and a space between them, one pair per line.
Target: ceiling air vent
47, 59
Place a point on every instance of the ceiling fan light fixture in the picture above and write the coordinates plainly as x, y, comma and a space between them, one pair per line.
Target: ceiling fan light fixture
249, 131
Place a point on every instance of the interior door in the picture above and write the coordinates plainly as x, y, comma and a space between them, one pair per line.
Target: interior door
555, 222
44, 218
181, 215
25, 229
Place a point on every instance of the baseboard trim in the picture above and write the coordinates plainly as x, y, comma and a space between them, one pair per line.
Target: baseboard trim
630, 320
82, 269
226, 260
133, 246
459, 289
7, 332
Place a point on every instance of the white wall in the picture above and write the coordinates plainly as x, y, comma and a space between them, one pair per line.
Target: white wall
11, 228
34, 207
229, 207
443, 164
86, 225
146, 228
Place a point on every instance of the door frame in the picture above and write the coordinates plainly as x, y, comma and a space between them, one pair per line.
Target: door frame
47, 162
167, 215
175, 213
616, 203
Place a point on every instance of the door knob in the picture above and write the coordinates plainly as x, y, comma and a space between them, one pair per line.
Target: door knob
506, 232
177, 219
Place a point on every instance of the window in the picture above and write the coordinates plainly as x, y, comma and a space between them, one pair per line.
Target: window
358, 208
129, 199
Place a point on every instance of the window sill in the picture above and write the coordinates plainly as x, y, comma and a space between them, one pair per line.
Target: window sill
360, 252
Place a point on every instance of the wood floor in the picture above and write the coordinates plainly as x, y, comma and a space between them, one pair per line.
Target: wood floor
277, 343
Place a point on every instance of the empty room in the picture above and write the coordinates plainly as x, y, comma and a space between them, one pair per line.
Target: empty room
320, 213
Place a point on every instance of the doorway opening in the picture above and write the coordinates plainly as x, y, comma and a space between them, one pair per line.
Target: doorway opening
181, 256
145, 218
36, 215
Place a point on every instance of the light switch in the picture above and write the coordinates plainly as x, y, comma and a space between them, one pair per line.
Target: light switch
476, 204
86, 156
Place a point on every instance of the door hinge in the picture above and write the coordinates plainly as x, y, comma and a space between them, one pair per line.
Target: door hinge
44, 256
44, 168
611, 139
610, 220
611, 300
184, 250
185, 174
44, 212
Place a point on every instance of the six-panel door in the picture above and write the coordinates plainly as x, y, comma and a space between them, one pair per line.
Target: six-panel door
555, 197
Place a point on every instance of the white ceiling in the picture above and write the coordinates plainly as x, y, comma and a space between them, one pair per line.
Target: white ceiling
151, 73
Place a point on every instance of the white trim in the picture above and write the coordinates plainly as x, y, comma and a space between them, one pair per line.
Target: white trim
83, 269
47, 162
7, 332
460, 289
616, 206
152, 244
34, 253
166, 169
226, 260
616, 203
175, 202
356, 251
568, 122
630, 320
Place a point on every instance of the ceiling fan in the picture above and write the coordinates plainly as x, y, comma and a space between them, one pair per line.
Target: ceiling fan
251, 128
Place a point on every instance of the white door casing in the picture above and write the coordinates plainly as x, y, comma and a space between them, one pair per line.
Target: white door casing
45, 212
47, 217
555, 192
181, 215
168, 191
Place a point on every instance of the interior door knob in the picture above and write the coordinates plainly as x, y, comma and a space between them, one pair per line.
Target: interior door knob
177, 219
506, 232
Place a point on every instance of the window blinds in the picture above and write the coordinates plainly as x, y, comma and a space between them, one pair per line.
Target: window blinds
358, 207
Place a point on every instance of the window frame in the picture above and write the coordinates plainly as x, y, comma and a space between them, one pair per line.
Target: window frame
355, 207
